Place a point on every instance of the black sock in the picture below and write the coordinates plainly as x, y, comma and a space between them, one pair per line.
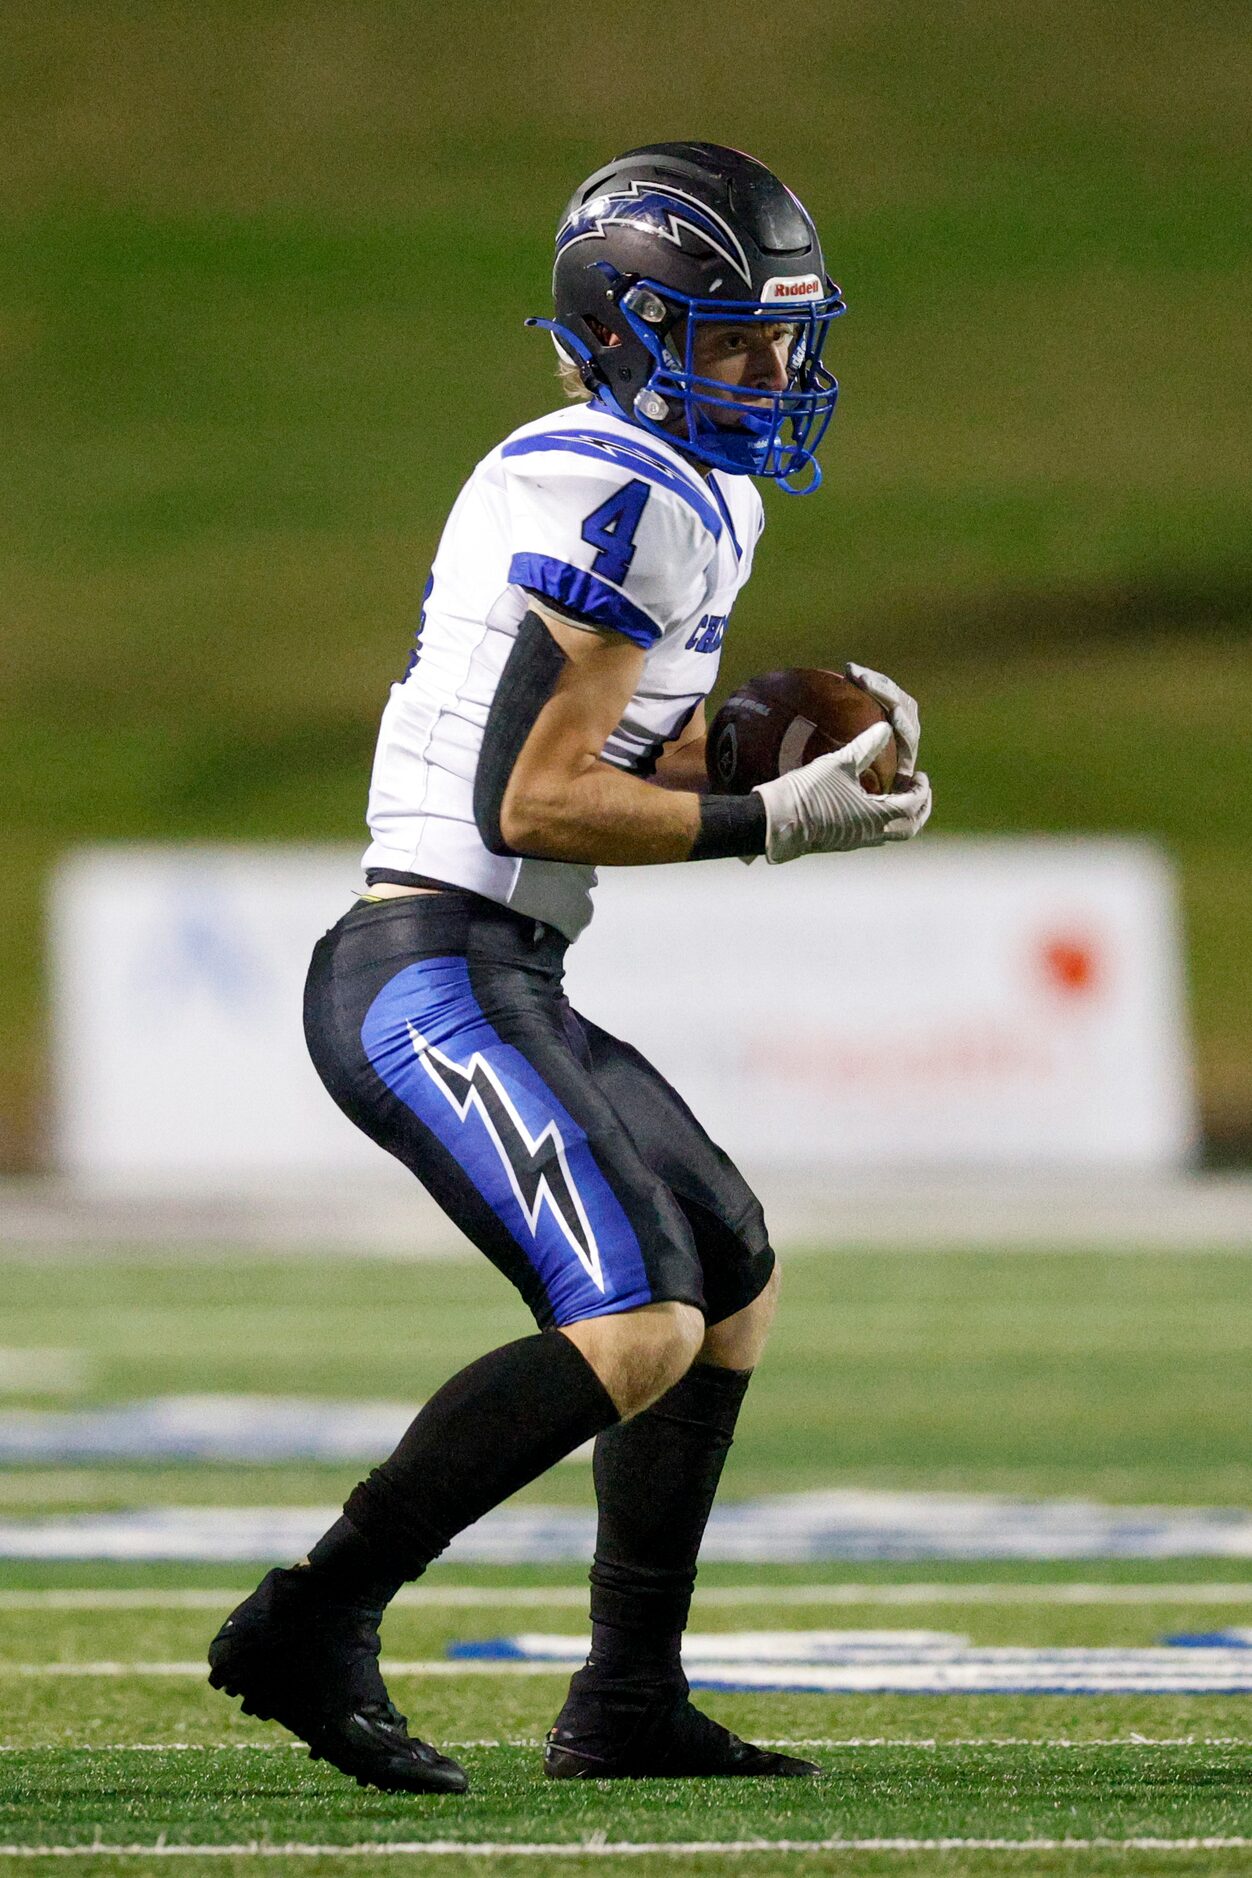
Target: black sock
345, 1565
491, 1429
656, 1477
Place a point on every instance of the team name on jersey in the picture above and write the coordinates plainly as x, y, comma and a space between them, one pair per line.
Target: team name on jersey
708, 635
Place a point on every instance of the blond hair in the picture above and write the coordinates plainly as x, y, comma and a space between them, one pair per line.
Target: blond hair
571, 381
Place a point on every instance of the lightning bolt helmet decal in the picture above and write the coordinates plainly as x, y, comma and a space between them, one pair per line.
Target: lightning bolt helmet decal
660, 209
665, 241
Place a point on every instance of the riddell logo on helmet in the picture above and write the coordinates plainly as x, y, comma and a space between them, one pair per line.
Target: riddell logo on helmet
793, 287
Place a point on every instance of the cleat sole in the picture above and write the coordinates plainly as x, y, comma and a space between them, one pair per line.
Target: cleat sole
260, 1710
599, 1735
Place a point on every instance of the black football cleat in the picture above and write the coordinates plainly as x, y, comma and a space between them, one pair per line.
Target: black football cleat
619, 1733
311, 1665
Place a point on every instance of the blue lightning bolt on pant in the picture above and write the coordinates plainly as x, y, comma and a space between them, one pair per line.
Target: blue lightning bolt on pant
439, 1025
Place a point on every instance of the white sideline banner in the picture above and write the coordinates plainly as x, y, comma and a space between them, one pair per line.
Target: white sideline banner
997, 1003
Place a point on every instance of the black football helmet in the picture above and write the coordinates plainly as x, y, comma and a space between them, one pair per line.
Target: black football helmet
676, 236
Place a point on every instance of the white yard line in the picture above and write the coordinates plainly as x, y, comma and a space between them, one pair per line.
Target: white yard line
929, 1745
448, 1597
175, 1747
935, 1743
991, 1672
600, 1847
1022, 1593
507, 1597
437, 1666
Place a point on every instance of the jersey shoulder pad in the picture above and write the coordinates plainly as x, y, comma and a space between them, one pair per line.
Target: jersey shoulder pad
609, 531
591, 451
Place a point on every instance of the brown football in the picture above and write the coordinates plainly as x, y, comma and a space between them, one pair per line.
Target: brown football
780, 720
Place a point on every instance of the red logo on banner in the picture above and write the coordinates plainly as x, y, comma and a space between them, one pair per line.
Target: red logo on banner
1070, 963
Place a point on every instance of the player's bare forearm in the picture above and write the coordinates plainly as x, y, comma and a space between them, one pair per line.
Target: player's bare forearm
682, 764
607, 817
562, 801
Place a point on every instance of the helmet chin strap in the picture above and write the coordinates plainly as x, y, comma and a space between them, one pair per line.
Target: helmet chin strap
745, 442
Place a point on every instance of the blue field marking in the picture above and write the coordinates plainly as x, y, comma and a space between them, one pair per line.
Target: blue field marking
878, 1663
742, 1646
492, 1650
248, 1429
844, 1525
1239, 1637
204, 1427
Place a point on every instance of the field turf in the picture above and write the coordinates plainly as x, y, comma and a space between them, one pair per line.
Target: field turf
130, 1757
1124, 1377
1121, 1376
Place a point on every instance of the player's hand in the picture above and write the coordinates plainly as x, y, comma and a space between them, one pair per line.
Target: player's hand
821, 808
900, 708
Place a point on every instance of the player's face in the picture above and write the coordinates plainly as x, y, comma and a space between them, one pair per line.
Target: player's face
746, 358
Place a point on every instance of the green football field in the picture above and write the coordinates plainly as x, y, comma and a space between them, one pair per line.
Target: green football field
1116, 1376
131, 1755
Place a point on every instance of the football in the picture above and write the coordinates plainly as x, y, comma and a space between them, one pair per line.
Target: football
779, 720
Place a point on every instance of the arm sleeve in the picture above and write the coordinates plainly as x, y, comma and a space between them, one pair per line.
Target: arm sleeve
621, 552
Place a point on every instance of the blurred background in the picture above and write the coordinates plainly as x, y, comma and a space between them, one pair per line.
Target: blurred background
262, 286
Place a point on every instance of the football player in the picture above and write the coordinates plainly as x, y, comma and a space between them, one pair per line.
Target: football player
552, 721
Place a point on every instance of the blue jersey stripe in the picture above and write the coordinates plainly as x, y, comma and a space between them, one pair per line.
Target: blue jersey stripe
583, 593
626, 454
725, 509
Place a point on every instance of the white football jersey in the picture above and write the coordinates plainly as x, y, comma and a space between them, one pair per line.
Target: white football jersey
609, 525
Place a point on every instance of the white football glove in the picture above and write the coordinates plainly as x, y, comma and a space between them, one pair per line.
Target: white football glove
900, 708
821, 808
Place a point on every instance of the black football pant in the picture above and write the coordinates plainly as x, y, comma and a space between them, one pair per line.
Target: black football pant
439, 1025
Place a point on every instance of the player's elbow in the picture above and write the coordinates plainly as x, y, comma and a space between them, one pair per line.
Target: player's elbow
528, 817
514, 826
505, 813
507, 830
512, 816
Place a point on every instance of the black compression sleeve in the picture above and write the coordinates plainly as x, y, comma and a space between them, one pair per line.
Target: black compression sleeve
729, 825
526, 683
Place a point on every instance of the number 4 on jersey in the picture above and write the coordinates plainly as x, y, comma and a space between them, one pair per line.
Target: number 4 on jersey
611, 529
